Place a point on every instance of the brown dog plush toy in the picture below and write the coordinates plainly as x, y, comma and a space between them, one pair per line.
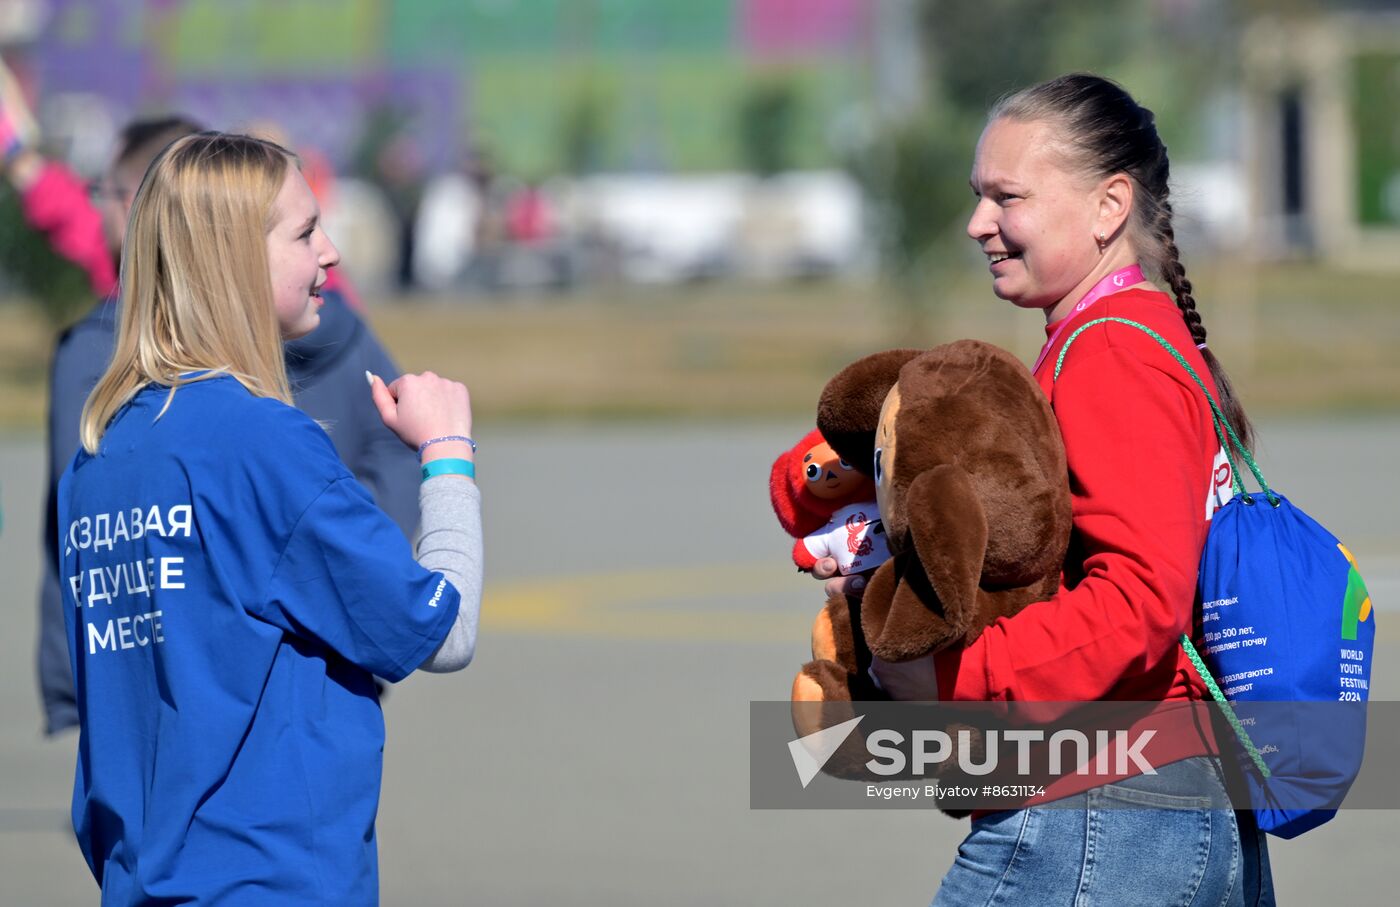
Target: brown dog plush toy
970, 476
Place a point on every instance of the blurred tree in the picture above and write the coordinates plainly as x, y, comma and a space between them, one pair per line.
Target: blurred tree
914, 169
914, 166
29, 266
383, 123
583, 133
767, 116
976, 52
914, 174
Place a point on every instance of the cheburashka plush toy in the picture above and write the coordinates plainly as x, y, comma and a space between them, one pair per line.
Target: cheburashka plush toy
973, 492
828, 506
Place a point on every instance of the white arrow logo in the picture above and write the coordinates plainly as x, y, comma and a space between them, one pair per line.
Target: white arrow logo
810, 753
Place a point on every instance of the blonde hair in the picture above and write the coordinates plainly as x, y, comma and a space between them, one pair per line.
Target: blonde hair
196, 289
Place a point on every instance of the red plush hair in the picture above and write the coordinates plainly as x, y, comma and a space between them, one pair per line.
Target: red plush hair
800, 512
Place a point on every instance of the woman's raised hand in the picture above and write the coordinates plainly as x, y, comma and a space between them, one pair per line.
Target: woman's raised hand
419, 408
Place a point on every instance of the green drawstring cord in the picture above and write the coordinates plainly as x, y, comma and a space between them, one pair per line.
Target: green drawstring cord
1230, 715
1222, 427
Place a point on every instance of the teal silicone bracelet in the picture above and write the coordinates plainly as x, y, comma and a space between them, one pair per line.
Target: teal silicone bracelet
449, 466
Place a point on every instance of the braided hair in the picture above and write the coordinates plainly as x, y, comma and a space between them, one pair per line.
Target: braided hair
1108, 132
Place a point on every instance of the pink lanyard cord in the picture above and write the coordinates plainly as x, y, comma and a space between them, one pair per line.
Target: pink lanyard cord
1123, 277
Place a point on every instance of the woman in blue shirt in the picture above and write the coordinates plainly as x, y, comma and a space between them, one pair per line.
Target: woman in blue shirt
231, 588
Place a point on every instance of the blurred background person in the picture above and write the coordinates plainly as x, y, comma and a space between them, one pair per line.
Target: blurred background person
87, 226
448, 221
88, 230
399, 171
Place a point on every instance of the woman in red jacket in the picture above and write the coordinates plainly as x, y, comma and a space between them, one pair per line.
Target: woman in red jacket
1072, 208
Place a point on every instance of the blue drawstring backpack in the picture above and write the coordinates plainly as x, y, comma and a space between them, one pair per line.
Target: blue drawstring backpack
1289, 634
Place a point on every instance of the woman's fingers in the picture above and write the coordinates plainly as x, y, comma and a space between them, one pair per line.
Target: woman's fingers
851, 586
826, 568
383, 400
419, 408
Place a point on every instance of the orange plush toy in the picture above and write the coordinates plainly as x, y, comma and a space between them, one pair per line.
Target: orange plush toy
828, 506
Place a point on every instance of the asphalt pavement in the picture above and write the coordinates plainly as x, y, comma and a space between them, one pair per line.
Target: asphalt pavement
638, 598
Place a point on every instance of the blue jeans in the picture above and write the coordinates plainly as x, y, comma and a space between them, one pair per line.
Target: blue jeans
1174, 849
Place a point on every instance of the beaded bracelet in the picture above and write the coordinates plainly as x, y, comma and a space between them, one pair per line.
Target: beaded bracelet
449, 466
424, 446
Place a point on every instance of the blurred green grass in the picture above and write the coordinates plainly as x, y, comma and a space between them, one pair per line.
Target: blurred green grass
1296, 338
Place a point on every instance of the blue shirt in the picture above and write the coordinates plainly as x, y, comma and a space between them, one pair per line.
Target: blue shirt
326, 369
230, 589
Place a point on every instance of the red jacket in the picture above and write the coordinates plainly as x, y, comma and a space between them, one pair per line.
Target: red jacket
1141, 451
57, 205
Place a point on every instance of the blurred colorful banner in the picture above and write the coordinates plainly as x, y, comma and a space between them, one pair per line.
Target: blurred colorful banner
652, 85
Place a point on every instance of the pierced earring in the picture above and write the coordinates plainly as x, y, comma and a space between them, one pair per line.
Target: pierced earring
1103, 241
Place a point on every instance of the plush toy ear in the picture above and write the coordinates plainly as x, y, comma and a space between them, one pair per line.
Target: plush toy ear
949, 528
849, 410
928, 599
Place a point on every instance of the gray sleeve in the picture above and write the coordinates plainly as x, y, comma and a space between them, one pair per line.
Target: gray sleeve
450, 543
